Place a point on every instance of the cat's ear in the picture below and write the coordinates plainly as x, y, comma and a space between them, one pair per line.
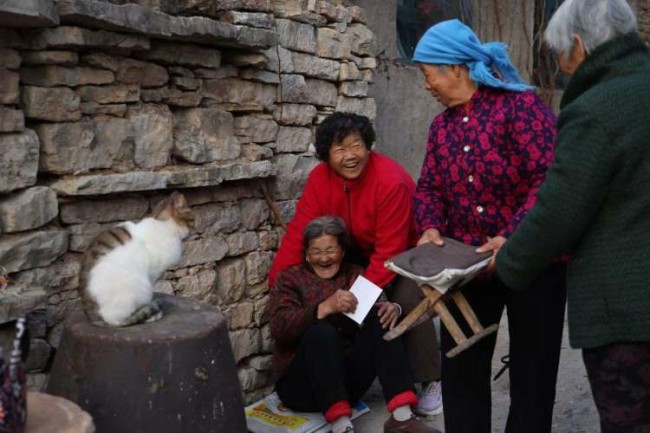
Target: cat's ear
181, 211
162, 210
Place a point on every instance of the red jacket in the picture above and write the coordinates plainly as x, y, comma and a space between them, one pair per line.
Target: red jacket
377, 207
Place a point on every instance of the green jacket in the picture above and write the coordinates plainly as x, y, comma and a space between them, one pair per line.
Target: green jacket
595, 202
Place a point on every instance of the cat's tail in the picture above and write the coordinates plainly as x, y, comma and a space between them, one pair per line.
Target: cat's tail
145, 314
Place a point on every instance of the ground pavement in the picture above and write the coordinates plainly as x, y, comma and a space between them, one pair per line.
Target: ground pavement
574, 408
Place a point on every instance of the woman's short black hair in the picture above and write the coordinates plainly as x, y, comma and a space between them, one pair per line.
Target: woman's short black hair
339, 125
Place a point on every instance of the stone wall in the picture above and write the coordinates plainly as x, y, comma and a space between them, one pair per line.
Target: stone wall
106, 107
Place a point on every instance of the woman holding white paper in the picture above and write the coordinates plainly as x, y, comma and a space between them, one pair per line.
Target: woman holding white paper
323, 360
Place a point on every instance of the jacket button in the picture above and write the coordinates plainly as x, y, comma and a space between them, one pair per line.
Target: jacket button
479, 209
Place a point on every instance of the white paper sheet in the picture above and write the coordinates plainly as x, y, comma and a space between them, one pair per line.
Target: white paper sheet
367, 293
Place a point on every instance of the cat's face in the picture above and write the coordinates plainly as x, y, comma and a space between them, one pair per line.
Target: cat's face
176, 209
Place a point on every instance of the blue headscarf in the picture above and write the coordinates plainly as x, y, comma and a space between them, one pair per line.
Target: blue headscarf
453, 43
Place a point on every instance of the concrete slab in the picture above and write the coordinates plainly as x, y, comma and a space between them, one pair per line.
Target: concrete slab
574, 412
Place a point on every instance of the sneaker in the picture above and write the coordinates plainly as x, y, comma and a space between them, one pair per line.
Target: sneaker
411, 425
430, 400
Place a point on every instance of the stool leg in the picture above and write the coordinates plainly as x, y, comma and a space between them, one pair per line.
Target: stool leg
467, 311
415, 317
449, 322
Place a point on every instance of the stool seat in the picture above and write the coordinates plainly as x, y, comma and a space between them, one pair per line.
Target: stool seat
174, 375
50, 414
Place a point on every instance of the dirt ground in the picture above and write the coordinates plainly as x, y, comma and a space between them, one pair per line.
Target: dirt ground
574, 408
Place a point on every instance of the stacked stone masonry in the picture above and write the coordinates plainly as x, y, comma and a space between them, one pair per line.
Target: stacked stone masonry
108, 106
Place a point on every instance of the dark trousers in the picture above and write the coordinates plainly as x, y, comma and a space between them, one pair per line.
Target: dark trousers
324, 371
535, 324
619, 375
421, 342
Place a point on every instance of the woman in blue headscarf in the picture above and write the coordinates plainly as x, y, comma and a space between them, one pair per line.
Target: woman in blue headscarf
487, 154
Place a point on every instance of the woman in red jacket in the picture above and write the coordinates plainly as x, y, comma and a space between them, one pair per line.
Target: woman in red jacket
374, 195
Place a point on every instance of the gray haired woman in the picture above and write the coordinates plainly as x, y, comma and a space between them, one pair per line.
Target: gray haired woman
322, 360
595, 203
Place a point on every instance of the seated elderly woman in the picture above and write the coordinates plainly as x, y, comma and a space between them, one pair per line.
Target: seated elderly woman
324, 361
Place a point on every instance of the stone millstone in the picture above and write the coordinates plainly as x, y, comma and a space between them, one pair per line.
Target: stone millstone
171, 376
51, 414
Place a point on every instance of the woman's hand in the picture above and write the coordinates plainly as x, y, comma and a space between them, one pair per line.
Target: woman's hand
494, 245
342, 301
431, 235
388, 313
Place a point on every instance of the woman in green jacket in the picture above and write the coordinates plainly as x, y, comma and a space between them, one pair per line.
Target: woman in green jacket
595, 203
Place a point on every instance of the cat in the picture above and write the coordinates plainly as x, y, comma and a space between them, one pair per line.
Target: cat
122, 264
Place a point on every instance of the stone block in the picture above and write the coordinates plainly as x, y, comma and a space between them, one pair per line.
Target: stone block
233, 94
81, 146
296, 36
261, 311
257, 266
255, 152
60, 276
179, 71
227, 71
66, 38
231, 280
354, 89
114, 94
28, 13
252, 380
97, 184
55, 75
200, 286
365, 106
183, 54
367, 63
349, 72
358, 15
254, 212
213, 8
317, 67
18, 300
267, 339
143, 74
32, 249
152, 126
295, 114
278, 59
173, 97
102, 61
63, 58
9, 90
207, 250
186, 83
261, 363
18, 160
240, 243
251, 19
215, 218
39, 355
240, 315
260, 75
104, 210
245, 342
258, 128
93, 108
9, 58
11, 120
363, 40
10, 39
56, 104
269, 240
131, 18
28, 209
293, 171
204, 135
297, 89
333, 44
82, 235
368, 76
293, 139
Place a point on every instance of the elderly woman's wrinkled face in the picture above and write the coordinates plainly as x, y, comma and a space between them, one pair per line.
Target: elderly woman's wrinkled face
349, 156
445, 84
325, 255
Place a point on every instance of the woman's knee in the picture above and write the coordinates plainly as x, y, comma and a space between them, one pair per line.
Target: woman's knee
321, 332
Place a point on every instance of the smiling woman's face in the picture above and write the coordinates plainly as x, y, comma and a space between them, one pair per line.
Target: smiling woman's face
325, 255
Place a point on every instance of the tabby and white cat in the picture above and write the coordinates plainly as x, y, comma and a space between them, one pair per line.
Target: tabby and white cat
122, 264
